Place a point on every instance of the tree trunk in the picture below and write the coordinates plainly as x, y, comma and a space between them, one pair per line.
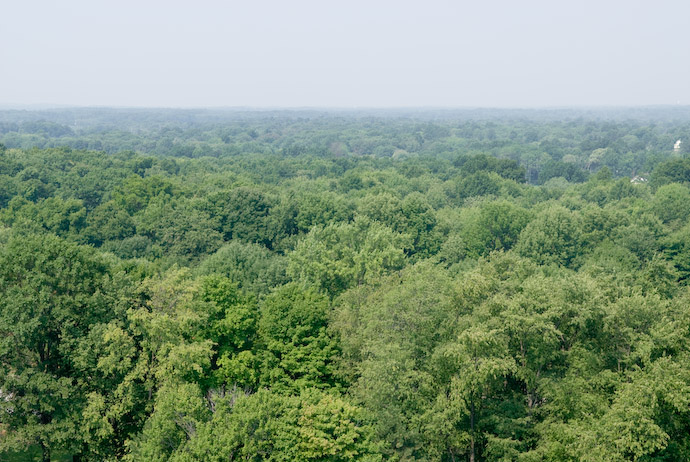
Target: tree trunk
472, 430
45, 452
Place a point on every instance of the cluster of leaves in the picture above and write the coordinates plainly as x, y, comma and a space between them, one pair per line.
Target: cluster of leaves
341, 308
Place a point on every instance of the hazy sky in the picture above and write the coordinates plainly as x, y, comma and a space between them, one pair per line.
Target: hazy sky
354, 53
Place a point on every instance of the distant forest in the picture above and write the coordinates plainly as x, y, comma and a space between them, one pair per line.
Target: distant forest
547, 143
307, 285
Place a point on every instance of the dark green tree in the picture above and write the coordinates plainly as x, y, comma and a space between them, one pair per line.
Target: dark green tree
53, 293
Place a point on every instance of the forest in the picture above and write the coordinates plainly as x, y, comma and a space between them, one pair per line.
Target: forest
306, 285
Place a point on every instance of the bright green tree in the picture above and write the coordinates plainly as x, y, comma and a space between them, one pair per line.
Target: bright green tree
339, 256
297, 350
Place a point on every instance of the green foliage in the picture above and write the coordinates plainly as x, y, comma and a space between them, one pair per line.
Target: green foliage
496, 226
412, 216
672, 203
108, 222
388, 332
242, 213
306, 286
478, 361
299, 212
168, 323
179, 409
672, 171
269, 427
507, 168
339, 256
298, 352
477, 184
117, 403
232, 328
54, 215
54, 292
251, 266
135, 193
181, 228
554, 236
555, 169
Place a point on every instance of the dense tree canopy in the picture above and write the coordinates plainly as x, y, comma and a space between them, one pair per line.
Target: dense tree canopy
308, 286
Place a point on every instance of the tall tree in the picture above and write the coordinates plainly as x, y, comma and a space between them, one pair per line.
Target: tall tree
53, 292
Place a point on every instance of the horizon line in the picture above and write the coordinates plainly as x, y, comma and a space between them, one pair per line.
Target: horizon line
46, 106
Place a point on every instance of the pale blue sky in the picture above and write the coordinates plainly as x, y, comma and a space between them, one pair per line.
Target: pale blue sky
345, 53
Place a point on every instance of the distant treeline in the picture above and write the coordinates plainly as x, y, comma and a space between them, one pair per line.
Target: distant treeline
547, 143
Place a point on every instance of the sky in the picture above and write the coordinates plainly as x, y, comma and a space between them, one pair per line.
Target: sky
346, 54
